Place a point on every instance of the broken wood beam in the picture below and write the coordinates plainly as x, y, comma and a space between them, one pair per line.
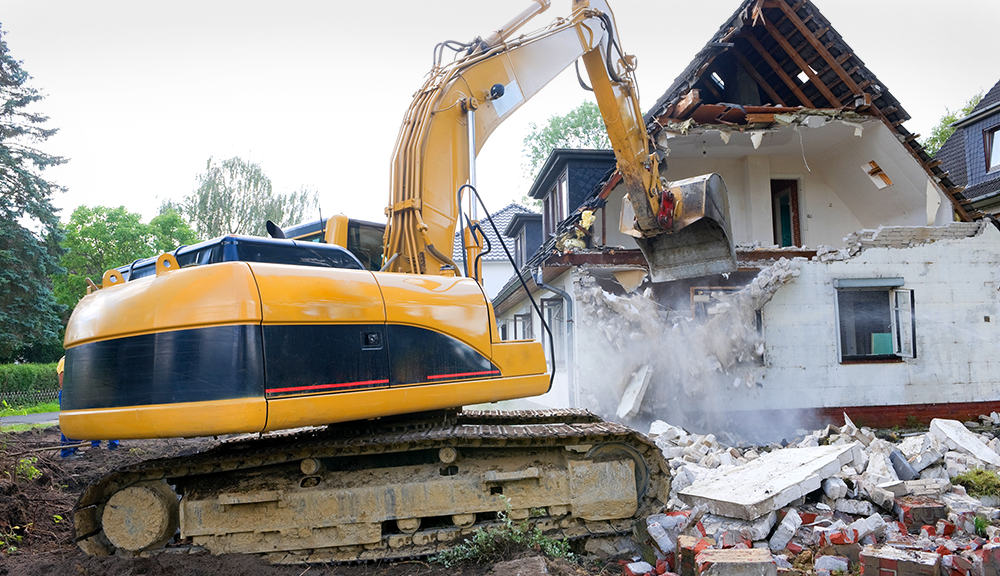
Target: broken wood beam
766, 56
797, 58
688, 103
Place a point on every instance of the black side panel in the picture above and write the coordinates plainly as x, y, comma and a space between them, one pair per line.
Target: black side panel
197, 365
418, 355
307, 359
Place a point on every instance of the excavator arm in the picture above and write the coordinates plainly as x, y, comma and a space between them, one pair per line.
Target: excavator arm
462, 102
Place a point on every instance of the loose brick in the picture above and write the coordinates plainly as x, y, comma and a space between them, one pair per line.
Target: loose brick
889, 561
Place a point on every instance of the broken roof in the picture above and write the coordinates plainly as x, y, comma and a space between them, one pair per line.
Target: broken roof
774, 56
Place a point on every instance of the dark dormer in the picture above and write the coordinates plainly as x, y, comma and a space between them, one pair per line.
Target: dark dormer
972, 154
565, 180
526, 231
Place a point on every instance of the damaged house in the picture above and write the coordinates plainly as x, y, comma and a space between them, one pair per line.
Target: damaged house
865, 277
971, 155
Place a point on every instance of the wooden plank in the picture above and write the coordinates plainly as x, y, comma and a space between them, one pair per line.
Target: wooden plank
803, 99
797, 58
760, 118
688, 103
757, 77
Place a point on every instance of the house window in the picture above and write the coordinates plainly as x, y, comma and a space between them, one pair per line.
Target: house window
522, 327
503, 330
519, 250
876, 320
785, 212
992, 152
552, 308
556, 204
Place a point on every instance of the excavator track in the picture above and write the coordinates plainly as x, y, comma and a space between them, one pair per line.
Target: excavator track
362, 494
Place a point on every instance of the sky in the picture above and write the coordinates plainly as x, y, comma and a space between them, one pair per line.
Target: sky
144, 93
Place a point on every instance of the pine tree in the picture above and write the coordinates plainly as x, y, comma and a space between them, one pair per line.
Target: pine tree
29, 227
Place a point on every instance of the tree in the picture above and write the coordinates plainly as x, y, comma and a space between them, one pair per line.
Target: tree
29, 226
581, 127
96, 240
235, 197
943, 130
169, 230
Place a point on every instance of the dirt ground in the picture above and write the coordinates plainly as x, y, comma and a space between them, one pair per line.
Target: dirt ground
36, 520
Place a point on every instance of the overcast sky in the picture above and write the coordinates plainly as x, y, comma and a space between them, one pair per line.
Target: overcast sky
143, 93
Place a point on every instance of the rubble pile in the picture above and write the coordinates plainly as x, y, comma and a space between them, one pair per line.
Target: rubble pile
838, 500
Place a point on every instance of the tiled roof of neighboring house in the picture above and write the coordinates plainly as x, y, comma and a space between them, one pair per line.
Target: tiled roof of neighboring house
501, 218
953, 153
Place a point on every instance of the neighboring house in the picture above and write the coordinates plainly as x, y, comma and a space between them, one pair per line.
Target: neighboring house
812, 149
496, 267
971, 155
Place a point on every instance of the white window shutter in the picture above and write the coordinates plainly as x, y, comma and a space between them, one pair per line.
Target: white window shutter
902, 323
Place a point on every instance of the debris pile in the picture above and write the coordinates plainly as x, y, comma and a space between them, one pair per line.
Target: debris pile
838, 500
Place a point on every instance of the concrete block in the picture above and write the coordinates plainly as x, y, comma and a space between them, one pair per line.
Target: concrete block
770, 482
889, 561
736, 562
753, 529
831, 564
783, 534
917, 511
853, 507
956, 436
660, 429
632, 569
929, 487
835, 488
897, 488
904, 471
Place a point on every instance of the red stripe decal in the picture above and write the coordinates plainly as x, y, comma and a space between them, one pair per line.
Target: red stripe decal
323, 386
463, 374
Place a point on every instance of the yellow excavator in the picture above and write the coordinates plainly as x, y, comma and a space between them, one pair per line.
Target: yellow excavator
344, 353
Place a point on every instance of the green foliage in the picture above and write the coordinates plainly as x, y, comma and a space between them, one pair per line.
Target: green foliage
26, 470
8, 409
10, 538
29, 227
979, 482
99, 238
581, 127
235, 197
28, 377
942, 131
495, 543
169, 230
981, 525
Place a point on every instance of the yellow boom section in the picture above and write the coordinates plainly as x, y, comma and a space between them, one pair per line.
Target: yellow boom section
431, 158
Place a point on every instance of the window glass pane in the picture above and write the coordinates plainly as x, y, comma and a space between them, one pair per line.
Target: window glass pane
994, 160
365, 242
865, 323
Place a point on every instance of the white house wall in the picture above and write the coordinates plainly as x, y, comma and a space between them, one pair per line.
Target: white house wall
836, 197
955, 291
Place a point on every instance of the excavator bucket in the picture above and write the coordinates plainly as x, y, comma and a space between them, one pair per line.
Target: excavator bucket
698, 242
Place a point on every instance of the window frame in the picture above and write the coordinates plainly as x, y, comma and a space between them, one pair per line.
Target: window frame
522, 327
553, 312
989, 138
900, 309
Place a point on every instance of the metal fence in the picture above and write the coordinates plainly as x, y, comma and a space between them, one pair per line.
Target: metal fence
22, 398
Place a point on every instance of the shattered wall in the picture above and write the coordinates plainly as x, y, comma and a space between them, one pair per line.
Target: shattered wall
685, 370
726, 375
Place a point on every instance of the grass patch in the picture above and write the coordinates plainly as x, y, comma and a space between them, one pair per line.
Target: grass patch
498, 543
8, 410
979, 482
26, 427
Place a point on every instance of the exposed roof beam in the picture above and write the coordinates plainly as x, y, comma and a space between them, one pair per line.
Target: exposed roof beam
758, 78
783, 42
803, 99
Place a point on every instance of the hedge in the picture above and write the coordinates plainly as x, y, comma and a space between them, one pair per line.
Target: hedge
19, 379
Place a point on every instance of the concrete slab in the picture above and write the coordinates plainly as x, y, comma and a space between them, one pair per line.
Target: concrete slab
770, 482
956, 436
736, 562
